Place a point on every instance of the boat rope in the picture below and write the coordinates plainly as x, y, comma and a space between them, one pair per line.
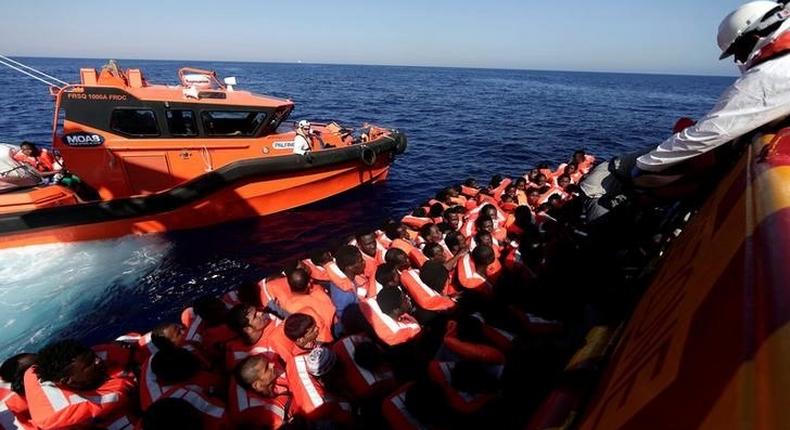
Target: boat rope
32, 72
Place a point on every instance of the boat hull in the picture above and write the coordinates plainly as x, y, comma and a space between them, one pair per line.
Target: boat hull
245, 189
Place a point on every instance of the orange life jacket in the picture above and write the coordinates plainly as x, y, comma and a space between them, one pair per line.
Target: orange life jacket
470, 279
249, 409
212, 411
471, 351
14, 413
45, 162
469, 191
500, 189
317, 273
310, 399
53, 407
317, 304
274, 289
237, 349
778, 47
343, 282
361, 382
210, 341
152, 390
416, 256
415, 222
424, 296
464, 403
390, 331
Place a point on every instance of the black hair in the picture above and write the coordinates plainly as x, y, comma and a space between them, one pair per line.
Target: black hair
431, 250
554, 196
54, 358
297, 325
519, 180
319, 257
298, 280
389, 299
425, 230
471, 182
442, 195
170, 413
237, 317
368, 356
13, 370
396, 256
419, 212
434, 275
245, 370
158, 336
523, 217
563, 176
542, 165
386, 273
174, 365
250, 293
28, 143
391, 229
483, 255
435, 210
212, 310
480, 234
579, 152
453, 240
495, 181
347, 255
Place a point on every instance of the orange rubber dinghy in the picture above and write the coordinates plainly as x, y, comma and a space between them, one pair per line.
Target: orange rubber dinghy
163, 158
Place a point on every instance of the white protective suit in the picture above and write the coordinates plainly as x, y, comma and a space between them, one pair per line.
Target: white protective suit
760, 96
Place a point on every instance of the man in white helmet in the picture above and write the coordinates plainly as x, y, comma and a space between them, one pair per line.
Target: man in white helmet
756, 35
302, 140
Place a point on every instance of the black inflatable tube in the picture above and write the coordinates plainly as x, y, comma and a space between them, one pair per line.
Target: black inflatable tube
204, 185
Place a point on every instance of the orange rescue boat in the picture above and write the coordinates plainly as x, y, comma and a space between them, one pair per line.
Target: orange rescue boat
160, 158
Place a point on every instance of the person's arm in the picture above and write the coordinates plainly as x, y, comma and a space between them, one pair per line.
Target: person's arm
759, 97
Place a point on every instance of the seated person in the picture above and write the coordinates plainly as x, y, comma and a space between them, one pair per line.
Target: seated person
39, 158
470, 188
363, 366
308, 297
206, 326
430, 287
297, 335
389, 315
313, 379
14, 412
71, 386
254, 329
468, 337
259, 396
398, 258
315, 265
479, 270
468, 386
368, 247
452, 219
387, 276
416, 406
174, 367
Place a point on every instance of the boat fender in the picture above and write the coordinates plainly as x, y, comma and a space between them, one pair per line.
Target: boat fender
368, 156
400, 145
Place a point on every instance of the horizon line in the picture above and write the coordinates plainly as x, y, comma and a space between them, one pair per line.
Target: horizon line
389, 65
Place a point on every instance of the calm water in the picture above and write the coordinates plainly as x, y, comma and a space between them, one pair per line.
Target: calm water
460, 123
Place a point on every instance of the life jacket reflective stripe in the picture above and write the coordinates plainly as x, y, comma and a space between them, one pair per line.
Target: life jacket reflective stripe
465, 403
416, 256
143, 345
383, 240
469, 191
317, 272
126, 422
470, 279
212, 412
500, 189
231, 299
274, 289
387, 329
308, 394
192, 322
339, 278
251, 410
54, 407
13, 420
207, 343
415, 222
237, 349
394, 410
469, 350
362, 382
424, 296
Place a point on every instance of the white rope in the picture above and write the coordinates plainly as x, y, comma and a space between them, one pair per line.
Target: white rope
11, 60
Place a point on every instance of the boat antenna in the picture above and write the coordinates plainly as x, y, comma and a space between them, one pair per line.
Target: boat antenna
33, 73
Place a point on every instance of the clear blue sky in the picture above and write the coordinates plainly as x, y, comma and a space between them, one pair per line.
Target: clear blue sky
674, 36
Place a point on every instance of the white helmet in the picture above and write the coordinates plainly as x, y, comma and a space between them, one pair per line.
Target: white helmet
741, 21
304, 124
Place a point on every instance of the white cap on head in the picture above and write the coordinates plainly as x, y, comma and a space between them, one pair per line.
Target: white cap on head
320, 361
304, 124
741, 21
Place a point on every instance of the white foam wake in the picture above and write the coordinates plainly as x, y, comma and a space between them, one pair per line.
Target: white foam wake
43, 286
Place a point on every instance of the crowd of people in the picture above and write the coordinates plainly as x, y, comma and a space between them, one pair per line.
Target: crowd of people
428, 322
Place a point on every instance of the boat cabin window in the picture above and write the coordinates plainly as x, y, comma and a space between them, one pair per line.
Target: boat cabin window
232, 123
181, 122
134, 122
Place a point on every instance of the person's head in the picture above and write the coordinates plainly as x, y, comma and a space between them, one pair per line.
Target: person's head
507, 198
171, 413
489, 210
71, 364
320, 362
257, 373
248, 321
436, 210
431, 233
540, 180
523, 217
302, 330
571, 168
531, 174
434, 275
368, 356
303, 126
13, 369
484, 223
444, 196
434, 251
393, 302
319, 257
387, 275
484, 237
28, 148
555, 200
349, 260
454, 191
398, 258
367, 243
168, 334
495, 181
741, 30
578, 156
174, 365
454, 241
453, 218
471, 183
520, 184
533, 197
483, 256
299, 281
396, 230
212, 310
563, 181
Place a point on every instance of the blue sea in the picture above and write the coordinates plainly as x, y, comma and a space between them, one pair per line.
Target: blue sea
460, 123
